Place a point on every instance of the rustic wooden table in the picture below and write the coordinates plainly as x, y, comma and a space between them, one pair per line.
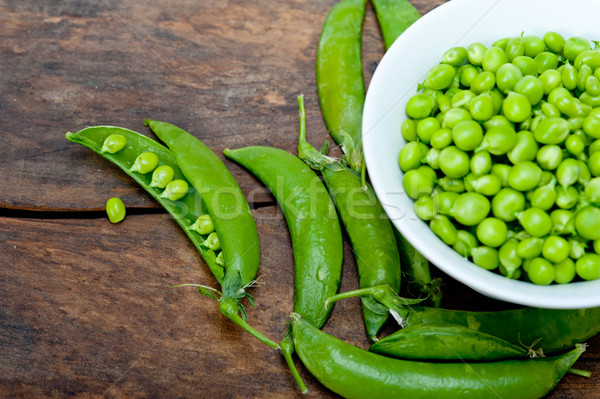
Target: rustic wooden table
86, 307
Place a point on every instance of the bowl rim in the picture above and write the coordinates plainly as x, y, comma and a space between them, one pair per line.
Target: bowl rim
565, 296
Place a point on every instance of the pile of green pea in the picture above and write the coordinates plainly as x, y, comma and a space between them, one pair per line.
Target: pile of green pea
503, 156
163, 177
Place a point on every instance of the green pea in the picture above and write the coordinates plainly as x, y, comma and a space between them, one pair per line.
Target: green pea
551, 79
440, 76
442, 138
444, 202
543, 197
420, 106
466, 74
562, 221
454, 116
592, 85
546, 61
483, 82
501, 170
455, 56
555, 41
481, 163
465, 243
591, 126
516, 107
175, 189
498, 121
582, 75
507, 76
588, 267
454, 162
533, 45
584, 173
595, 146
481, 107
525, 149
535, 221
462, 98
114, 143
592, 191
470, 208
145, 163
550, 109
590, 58
498, 140
451, 184
577, 248
526, 64
551, 131
417, 183
424, 208
493, 58
426, 127
564, 272
444, 229
509, 259
593, 163
569, 76
530, 247
575, 144
540, 271
501, 43
408, 128
567, 172
566, 197
410, 156
203, 225
557, 93
492, 232
212, 241
531, 87
572, 107
555, 249
587, 222
161, 176
514, 48
549, 156
574, 46
524, 176
115, 210
467, 135
220, 260
485, 257
475, 53
488, 185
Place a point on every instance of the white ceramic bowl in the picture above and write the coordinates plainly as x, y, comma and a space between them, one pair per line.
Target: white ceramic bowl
460, 23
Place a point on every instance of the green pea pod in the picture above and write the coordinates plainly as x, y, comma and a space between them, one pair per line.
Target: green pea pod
313, 224
340, 81
394, 17
554, 329
369, 229
446, 342
355, 373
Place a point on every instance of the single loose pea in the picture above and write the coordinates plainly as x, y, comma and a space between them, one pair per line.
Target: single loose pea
577, 248
161, 176
546, 61
175, 189
567, 172
417, 183
451, 184
563, 221
467, 135
501, 43
555, 41
551, 131
408, 128
587, 222
549, 156
466, 74
525, 149
455, 56
550, 109
509, 259
220, 260
454, 116
540, 271
493, 58
501, 170
212, 241
564, 272
483, 82
488, 185
115, 210
533, 45
475, 53
481, 163
584, 72
516, 107
442, 138
426, 127
531, 87
514, 48
555, 249
592, 85
535, 221
492, 232
410, 156
498, 121
508, 204
569, 76
593, 163
526, 64
425, 209
575, 144
530, 247
485, 257
574, 46
470, 208
420, 106
566, 197
507, 76
444, 229
454, 162
591, 126
203, 225
551, 79
444, 202
498, 140
462, 98
145, 163
588, 267
592, 191
543, 197
465, 243
114, 143
524, 176
481, 107
440, 76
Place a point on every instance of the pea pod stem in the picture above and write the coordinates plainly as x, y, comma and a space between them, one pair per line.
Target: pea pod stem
230, 308
287, 350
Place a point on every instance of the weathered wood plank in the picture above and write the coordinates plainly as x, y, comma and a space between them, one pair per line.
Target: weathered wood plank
88, 310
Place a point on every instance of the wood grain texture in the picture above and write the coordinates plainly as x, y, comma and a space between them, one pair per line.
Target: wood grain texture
86, 308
